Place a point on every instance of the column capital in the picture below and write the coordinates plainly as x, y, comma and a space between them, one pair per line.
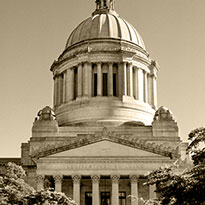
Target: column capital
58, 178
76, 178
115, 178
99, 63
95, 178
40, 178
134, 178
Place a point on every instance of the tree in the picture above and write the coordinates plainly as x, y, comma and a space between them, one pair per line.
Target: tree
14, 190
187, 187
49, 197
13, 187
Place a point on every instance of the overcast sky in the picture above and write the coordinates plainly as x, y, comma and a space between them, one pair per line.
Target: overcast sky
33, 33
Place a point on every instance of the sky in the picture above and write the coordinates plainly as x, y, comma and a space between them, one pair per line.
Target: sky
33, 34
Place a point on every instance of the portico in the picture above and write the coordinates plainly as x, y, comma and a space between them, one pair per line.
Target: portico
112, 189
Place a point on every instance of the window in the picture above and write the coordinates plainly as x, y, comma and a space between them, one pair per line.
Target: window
75, 83
114, 84
122, 198
105, 87
88, 198
95, 84
105, 198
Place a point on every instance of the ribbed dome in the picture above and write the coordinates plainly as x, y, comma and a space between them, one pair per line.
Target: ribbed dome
105, 25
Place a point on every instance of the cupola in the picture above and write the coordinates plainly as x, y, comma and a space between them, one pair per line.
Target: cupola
104, 75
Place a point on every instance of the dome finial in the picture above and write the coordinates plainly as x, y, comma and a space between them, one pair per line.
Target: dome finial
104, 4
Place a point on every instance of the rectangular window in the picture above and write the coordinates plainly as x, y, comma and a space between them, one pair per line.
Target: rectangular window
75, 83
105, 90
122, 198
105, 198
88, 198
95, 84
114, 84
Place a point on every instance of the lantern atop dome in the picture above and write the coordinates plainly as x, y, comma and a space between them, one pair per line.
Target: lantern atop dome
104, 4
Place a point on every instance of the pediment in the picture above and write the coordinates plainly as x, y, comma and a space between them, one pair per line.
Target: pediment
104, 143
104, 149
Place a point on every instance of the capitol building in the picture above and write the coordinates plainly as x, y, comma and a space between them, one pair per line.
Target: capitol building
105, 131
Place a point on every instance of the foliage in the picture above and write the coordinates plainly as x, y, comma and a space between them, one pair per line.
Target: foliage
49, 197
13, 187
187, 187
14, 190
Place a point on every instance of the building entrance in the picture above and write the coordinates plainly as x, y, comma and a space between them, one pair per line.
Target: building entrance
105, 198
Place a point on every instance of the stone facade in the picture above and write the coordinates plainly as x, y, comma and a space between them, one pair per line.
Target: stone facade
105, 131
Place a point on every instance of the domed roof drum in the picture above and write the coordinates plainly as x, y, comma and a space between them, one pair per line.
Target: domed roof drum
104, 75
105, 24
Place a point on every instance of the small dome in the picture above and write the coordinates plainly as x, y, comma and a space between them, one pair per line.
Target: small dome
105, 25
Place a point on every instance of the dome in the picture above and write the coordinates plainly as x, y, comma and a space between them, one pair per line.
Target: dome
105, 25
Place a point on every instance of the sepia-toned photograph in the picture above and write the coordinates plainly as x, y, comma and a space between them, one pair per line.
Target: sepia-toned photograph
102, 102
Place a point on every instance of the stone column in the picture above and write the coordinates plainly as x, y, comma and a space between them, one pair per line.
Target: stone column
70, 84
130, 79
40, 182
124, 78
95, 190
58, 183
55, 91
120, 68
76, 188
134, 189
154, 91
140, 85
99, 81
115, 189
80, 79
152, 193
58, 90
149, 88
135, 84
145, 87
110, 79
89, 67
85, 79
64, 86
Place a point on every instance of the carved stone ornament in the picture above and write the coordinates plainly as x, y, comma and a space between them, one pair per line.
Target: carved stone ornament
163, 114
95, 178
40, 178
124, 139
76, 178
58, 178
133, 178
46, 114
115, 178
